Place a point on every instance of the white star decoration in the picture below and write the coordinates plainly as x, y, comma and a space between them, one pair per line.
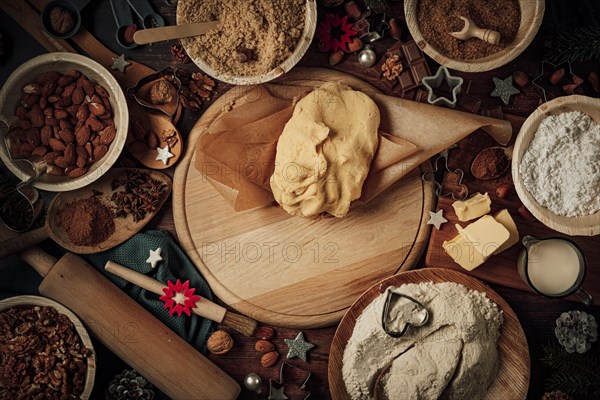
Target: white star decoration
436, 219
154, 257
120, 63
164, 154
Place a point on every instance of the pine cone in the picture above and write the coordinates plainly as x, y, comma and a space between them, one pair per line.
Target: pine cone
129, 385
576, 331
556, 395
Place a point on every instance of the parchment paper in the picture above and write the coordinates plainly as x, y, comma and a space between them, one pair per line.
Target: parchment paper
237, 152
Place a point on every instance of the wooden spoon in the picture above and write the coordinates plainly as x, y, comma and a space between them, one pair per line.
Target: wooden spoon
471, 30
508, 151
154, 35
124, 227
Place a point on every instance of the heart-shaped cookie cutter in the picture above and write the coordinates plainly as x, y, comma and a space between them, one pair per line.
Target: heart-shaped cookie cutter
385, 315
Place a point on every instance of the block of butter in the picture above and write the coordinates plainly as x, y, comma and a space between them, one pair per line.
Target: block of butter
473, 207
503, 216
477, 242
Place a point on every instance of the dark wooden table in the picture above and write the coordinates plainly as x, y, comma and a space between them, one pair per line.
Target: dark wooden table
536, 314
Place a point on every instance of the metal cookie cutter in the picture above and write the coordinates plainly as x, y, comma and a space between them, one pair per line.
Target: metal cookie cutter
428, 176
435, 82
414, 313
170, 74
276, 387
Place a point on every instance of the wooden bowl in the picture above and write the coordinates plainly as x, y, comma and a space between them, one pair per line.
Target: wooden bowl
588, 225
532, 13
11, 94
512, 378
310, 26
22, 301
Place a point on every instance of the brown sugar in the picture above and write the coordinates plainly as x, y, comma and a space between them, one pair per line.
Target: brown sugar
86, 221
436, 18
268, 30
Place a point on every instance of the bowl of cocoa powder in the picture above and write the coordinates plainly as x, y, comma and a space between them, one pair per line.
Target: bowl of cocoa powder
431, 21
67, 114
255, 41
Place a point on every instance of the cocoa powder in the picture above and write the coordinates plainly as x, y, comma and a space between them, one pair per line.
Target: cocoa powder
86, 221
490, 163
436, 18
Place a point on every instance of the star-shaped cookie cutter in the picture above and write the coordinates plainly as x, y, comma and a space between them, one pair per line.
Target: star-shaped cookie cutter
274, 392
428, 176
435, 81
548, 68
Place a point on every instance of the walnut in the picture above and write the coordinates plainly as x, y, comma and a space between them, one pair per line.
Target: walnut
161, 92
62, 20
220, 342
392, 67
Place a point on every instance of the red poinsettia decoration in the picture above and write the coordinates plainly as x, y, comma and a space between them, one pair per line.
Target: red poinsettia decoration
335, 33
179, 297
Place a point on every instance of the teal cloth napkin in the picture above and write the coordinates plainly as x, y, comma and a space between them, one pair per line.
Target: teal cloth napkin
174, 265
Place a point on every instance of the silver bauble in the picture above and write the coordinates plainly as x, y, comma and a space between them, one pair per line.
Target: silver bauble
367, 56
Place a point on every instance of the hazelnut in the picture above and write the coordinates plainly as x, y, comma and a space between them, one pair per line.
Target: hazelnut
161, 93
525, 213
502, 191
220, 342
62, 20
395, 31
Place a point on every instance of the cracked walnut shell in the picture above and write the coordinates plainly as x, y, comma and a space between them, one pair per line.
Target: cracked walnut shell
220, 342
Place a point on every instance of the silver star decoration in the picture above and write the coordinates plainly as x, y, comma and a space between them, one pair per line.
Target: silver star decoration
164, 154
436, 219
298, 347
277, 394
120, 63
504, 89
154, 258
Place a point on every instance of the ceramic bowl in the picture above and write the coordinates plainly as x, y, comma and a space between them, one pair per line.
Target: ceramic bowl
310, 26
588, 225
25, 301
11, 94
532, 13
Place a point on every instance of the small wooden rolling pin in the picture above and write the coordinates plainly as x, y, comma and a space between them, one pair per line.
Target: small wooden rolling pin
129, 331
204, 307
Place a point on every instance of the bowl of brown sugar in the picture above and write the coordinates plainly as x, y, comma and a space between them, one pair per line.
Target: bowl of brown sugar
255, 41
516, 22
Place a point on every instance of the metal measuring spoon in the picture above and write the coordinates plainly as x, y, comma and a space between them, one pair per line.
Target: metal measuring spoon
122, 13
508, 151
73, 6
144, 10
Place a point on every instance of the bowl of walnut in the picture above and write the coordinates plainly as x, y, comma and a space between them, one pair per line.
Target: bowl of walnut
63, 121
45, 352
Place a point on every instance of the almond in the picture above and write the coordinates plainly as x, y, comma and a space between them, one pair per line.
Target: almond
70, 156
74, 73
60, 114
108, 134
88, 87
269, 359
395, 31
56, 171
78, 95
49, 111
32, 88
521, 79
101, 91
48, 88
503, 191
47, 76
24, 124
107, 105
64, 80
58, 91
82, 135
39, 151
66, 135
128, 33
68, 90
264, 346
29, 100
264, 332
51, 121
97, 108
95, 139
99, 152
89, 149
33, 137
56, 144
26, 149
64, 102
36, 116
81, 161
21, 112
152, 141
557, 76
83, 112
94, 124
336, 57
60, 162
65, 124
104, 117
76, 172
43, 102
45, 134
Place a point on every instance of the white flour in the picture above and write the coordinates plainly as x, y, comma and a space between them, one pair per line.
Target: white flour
453, 356
561, 167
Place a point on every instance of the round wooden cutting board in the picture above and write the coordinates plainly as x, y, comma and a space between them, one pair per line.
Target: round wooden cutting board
294, 271
512, 380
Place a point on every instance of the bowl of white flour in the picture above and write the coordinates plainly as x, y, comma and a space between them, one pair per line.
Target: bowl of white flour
556, 165
472, 346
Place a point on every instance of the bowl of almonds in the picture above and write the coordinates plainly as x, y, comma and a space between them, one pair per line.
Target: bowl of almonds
66, 115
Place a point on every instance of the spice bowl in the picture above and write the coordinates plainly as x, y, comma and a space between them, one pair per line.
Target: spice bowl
32, 301
532, 13
10, 98
303, 42
587, 225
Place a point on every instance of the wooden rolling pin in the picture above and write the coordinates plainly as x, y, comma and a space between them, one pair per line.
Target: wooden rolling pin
129, 331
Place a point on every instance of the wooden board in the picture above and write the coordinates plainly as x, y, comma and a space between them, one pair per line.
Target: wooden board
512, 380
502, 268
293, 271
588, 225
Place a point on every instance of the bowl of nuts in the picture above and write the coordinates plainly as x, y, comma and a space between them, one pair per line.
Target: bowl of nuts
45, 351
254, 42
65, 121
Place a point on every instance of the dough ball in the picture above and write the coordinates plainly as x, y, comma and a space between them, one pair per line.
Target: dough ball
325, 151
